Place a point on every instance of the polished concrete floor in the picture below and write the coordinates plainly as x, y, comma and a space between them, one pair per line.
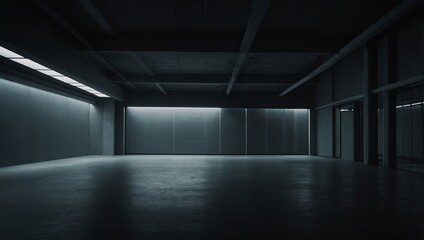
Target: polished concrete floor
209, 197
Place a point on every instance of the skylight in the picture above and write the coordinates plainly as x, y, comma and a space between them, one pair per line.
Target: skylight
47, 71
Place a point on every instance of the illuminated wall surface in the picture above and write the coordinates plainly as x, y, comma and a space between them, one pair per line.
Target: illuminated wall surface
216, 131
36, 125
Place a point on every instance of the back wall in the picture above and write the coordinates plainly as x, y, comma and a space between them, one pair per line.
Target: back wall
216, 131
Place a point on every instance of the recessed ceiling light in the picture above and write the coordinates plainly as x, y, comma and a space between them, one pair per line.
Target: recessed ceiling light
50, 73
29, 63
77, 84
85, 88
66, 80
46, 71
102, 95
8, 54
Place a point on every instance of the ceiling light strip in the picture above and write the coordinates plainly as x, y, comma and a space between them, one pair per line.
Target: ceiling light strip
47, 71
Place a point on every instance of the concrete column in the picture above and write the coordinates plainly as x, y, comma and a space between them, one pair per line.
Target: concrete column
337, 143
389, 121
370, 105
108, 127
313, 132
357, 135
389, 103
119, 128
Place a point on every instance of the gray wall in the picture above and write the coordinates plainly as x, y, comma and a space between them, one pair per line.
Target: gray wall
119, 128
96, 129
216, 131
325, 132
324, 88
410, 57
348, 76
410, 63
108, 126
346, 135
233, 131
345, 80
36, 125
342, 81
409, 129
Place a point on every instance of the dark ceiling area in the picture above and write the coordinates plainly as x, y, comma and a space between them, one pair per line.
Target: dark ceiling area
170, 47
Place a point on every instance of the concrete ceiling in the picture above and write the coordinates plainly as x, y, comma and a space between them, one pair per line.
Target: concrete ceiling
188, 47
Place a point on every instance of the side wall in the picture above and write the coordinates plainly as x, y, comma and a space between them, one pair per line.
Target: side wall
37, 125
346, 80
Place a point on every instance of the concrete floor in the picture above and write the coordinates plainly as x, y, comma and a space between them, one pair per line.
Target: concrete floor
411, 167
209, 197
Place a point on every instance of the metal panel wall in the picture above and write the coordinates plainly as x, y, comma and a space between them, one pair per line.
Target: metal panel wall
409, 129
233, 131
36, 125
301, 131
324, 88
172, 131
257, 131
213, 131
410, 58
216, 131
348, 75
275, 131
135, 132
325, 132
347, 139
289, 131
190, 131
159, 131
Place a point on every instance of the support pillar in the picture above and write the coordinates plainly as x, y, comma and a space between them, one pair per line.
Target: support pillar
119, 128
357, 135
389, 121
108, 126
370, 106
313, 132
389, 103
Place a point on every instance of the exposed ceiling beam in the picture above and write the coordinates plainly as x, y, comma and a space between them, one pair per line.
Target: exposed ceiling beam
97, 16
104, 24
236, 100
258, 10
145, 68
161, 89
137, 58
74, 32
214, 78
47, 8
383, 23
202, 43
30, 34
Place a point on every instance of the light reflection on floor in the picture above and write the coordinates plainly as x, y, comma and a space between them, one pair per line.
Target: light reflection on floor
209, 197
